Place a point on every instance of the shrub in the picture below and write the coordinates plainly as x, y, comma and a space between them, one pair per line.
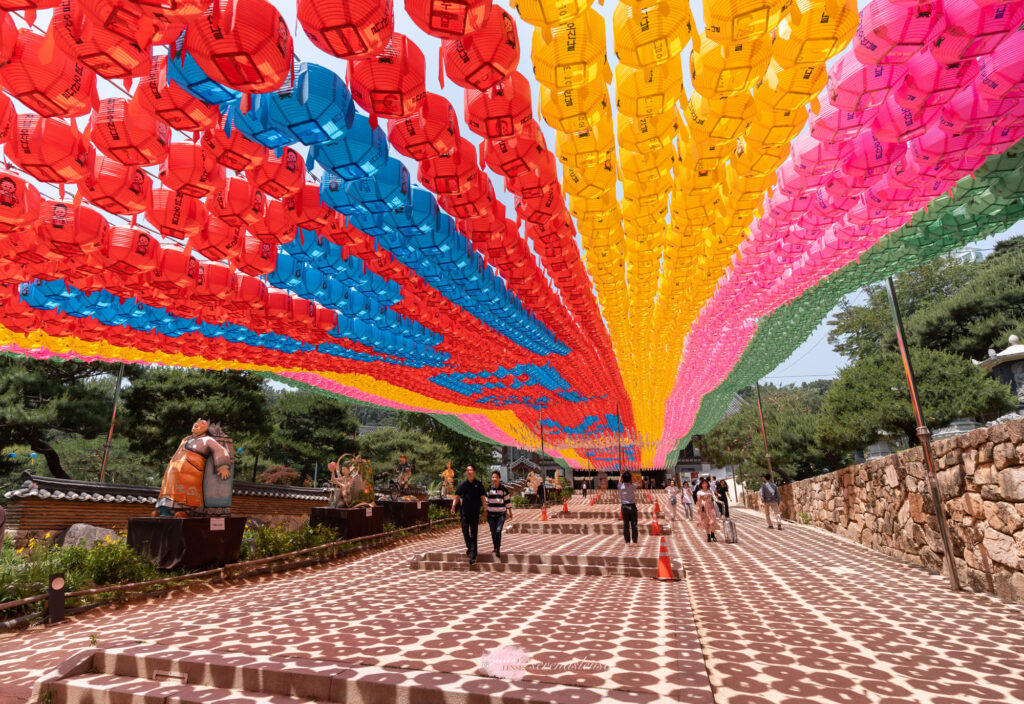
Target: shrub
520, 502
267, 541
279, 474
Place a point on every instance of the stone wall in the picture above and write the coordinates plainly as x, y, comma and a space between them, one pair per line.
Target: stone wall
886, 505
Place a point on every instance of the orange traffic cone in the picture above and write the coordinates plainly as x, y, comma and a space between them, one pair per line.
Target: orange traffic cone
565, 506
543, 512
620, 515
664, 565
592, 500
655, 528
656, 509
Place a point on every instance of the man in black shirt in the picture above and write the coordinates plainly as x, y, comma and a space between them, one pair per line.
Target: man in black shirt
469, 495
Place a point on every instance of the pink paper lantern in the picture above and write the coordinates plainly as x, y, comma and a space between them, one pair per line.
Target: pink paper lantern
891, 34
854, 86
929, 83
1002, 71
895, 123
973, 29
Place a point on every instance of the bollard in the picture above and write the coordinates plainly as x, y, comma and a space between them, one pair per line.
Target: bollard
55, 598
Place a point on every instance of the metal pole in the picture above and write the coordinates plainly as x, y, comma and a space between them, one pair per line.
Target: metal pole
618, 435
924, 435
764, 435
113, 417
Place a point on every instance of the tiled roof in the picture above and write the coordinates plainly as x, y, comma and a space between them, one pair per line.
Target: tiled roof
75, 490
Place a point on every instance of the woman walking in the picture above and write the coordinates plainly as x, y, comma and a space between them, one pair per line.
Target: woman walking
722, 498
673, 496
706, 510
687, 501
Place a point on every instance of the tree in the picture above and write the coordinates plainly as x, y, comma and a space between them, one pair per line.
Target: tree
789, 417
310, 428
161, 405
859, 330
39, 400
871, 395
382, 447
980, 314
463, 450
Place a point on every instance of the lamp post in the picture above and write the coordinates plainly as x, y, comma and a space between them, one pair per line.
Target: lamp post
924, 435
764, 435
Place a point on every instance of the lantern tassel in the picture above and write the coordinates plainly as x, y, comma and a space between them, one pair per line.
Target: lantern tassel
483, 163
440, 65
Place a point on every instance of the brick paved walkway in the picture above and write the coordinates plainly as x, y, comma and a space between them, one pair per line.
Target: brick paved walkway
796, 616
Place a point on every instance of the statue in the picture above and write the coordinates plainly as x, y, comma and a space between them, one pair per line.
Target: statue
448, 485
199, 477
351, 481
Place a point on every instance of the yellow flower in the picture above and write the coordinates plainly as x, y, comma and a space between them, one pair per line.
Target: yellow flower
19, 550
47, 536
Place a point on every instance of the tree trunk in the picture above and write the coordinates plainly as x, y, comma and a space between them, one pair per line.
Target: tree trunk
52, 458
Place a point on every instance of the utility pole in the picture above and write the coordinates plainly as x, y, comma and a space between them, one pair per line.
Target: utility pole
113, 417
764, 435
924, 435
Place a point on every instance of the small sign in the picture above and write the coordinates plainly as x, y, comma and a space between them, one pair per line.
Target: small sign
369, 513
217, 523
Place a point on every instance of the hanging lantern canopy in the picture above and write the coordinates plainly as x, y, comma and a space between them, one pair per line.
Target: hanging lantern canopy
430, 131
191, 169
313, 106
486, 56
548, 13
1002, 71
477, 202
170, 103
968, 111
726, 69
118, 189
106, 53
8, 37
742, 20
49, 150
127, 133
19, 203
218, 240
512, 156
929, 83
790, 88
214, 283
133, 21
450, 173
448, 19
310, 213
974, 30
238, 203
889, 33
256, 258
571, 55
355, 29
362, 152
279, 176
244, 44
584, 149
176, 214
502, 110
651, 33
184, 71
69, 230
280, 219
234, 150
648, 133
717, 121
814, 31
392, 83
175, 272
57, 87
852, 86
895, 123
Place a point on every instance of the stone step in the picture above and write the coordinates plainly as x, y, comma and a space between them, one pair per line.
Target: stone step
150, 673
536, 568
531, 558
644, 513
589, 528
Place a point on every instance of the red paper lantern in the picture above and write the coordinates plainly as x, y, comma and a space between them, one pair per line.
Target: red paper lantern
128, 133
248, 294
392, 83
430, 131
178, 11
450, 173
7, 118
280, 219
540, 178
119, 189
541, 206
477, 202
176, 214
235, 152
54, 86
191, 169
238, 203
134, 21
279, 176
19, 203
503, 110
256, 258
310, 212
70, 230
49, 150
482, 58
175, 271
214, 283
448, 19
8, 37
106, 53
170, 102
244, 44
130, 251
218, 240
512, 156
353, 29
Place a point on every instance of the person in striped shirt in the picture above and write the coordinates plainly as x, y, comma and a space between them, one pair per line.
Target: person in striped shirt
499, 507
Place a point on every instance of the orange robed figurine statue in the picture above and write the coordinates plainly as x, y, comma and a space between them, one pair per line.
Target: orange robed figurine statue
198, 478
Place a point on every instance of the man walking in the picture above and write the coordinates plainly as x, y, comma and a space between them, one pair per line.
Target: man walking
771, 498
627, 505
499, 502
470, 496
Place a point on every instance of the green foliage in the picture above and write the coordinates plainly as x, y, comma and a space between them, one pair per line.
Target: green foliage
278, 474
462, 450
383, 447
161, 405
520, 502
871, 395
310, 428
267, 541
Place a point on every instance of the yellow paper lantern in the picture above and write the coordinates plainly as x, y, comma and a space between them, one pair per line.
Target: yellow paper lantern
590, 182
724, 69
789, 88
546, 13
776, 127
757, 158
650, 90
718, 120
572, 54
703, 156
646, 166
648, 133
814, 31
740, 20
589, 148
575, 109
652, 33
